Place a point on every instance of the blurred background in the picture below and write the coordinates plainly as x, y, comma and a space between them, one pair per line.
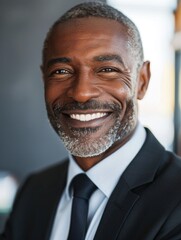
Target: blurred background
27, 141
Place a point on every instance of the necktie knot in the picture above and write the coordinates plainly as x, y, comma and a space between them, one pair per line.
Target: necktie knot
83, 187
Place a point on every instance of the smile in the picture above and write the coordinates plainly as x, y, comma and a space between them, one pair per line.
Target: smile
87, 117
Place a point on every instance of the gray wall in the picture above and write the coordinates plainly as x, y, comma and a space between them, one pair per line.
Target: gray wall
27, 141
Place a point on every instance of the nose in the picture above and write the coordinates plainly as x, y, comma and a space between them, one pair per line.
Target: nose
83, 88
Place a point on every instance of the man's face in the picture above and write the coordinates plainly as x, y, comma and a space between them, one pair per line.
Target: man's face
90, 88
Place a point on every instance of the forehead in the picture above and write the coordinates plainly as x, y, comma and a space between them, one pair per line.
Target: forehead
91, 25
86, 35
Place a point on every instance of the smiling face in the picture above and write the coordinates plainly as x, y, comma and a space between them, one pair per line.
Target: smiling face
91, 89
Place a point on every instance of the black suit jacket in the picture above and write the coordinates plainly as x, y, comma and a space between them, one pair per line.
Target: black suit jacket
145, 205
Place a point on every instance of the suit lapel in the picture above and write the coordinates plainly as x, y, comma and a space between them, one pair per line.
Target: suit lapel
47, 207
141, 171
56, 198
118, 207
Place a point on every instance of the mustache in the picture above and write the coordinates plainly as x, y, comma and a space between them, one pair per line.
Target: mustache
90, 105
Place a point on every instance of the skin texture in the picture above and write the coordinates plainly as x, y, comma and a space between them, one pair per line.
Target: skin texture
88, 69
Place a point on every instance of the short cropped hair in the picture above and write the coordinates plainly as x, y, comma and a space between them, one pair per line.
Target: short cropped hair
102, 10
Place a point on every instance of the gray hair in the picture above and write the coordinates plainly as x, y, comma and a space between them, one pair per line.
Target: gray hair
102, 10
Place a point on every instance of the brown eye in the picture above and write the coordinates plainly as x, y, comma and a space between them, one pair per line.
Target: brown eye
109, 73
61, 71
108, 70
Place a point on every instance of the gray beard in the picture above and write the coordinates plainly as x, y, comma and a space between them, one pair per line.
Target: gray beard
81, 144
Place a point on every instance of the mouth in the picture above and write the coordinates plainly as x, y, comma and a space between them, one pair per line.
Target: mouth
92, 114
88, 117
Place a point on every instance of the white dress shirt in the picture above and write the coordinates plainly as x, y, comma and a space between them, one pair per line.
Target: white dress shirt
105, 176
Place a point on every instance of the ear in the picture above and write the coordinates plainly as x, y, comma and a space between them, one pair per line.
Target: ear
143, 80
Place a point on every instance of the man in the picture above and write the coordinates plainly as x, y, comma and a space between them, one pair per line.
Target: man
94, 74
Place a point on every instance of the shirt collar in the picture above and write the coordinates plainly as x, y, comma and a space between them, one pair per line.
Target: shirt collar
102, 173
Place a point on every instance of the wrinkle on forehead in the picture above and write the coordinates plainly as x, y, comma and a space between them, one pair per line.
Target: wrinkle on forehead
88, 27
72, 33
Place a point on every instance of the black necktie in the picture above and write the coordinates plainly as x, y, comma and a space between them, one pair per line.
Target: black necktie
83, 188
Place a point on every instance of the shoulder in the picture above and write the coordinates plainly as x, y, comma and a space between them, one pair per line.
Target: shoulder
166, 173
156, 172
47, 184
165, 159
42, 182
47, 176
170, 169
168, 163
50, 173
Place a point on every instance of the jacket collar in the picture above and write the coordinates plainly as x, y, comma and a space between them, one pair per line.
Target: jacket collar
143, 168
141, 171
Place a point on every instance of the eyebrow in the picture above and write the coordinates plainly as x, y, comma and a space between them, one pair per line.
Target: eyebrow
101, 58
58, 60
107, 57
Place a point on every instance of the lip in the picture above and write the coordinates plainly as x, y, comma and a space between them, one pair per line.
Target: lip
89, 111
97, 122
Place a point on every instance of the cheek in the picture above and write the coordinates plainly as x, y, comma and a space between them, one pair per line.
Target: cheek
53, 92
119, 91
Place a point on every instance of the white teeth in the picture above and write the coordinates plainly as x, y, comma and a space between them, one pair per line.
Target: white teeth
87, 117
